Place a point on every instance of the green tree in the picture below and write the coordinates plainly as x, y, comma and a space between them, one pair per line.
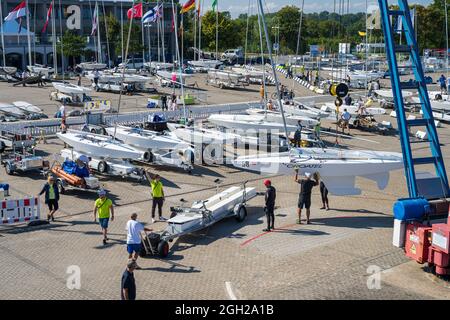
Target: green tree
72, 45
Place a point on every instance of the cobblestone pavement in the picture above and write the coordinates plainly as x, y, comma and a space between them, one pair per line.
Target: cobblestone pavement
328, 259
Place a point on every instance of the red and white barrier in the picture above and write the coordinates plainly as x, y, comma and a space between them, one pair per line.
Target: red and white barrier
23, 210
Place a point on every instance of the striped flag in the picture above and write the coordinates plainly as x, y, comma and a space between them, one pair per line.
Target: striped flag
17, 12
188, 6
49, 12
95, 20
153, 14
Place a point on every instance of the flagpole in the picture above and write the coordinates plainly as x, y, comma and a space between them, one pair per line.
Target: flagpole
55, 55
163, 34
195, 29
2, 36
28, 34
121, 26
217, 30
200, 31
143, 34
158, 25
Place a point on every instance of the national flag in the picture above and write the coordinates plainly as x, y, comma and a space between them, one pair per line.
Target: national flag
188, 6
214, 5
49, 12
17, 12
152, 15
95, 20
135, 12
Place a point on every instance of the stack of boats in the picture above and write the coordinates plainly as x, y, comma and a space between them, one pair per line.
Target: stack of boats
20, 110
127, 144
111, 80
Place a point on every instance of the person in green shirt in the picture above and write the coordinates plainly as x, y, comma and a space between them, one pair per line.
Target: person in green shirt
157, 194
104, 207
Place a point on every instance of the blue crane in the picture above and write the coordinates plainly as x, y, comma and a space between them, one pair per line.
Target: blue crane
428, 187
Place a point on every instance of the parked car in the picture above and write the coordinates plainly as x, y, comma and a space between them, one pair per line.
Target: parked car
232, 54
135, 63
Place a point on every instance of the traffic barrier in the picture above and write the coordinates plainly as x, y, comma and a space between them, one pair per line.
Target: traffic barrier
23, 210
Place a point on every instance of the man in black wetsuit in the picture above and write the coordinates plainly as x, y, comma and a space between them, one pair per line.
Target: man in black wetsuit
304, 199
269, 208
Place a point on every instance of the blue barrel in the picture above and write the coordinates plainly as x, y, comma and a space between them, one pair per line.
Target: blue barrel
411, 209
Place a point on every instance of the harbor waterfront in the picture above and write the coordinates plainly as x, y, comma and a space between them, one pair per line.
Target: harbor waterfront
190, 171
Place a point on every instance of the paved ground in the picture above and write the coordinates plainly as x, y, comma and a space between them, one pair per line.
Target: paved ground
329, 259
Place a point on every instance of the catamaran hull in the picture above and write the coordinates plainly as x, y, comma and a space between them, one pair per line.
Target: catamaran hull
337, 173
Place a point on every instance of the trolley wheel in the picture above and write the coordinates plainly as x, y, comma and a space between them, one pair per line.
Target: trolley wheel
60, 187
148, 156
163, 248
102, 167
241, 214
9, 168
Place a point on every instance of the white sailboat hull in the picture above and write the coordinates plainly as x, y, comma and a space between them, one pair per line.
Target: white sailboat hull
272, 116
27, 107
91, 66
336, 168
205, 63
99, 146
247, 122
70, 88
146, 139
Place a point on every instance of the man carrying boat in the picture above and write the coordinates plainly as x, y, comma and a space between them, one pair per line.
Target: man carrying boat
304, 199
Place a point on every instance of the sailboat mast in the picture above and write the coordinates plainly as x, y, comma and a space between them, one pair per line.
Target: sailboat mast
200, 31
28, 34
99, 47
262, 62
55, 55
269, 48
446, 33
297, 50
180, 66
2, 36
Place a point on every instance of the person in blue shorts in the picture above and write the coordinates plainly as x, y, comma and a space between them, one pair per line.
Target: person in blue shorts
134, 240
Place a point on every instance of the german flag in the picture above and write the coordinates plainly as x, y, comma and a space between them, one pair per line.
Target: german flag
188, 6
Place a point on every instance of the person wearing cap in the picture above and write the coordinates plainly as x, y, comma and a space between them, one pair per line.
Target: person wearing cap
104, 207
304, 199
269, 208
128, 283
134, 241
157, 194
51, 197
